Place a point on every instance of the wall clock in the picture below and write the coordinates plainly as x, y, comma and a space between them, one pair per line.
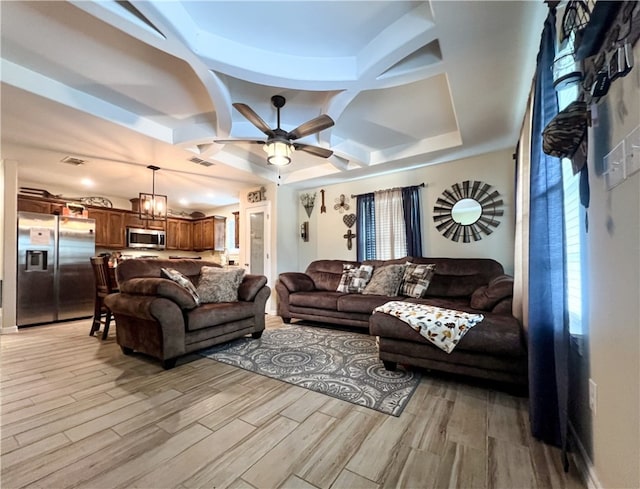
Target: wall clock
467, 211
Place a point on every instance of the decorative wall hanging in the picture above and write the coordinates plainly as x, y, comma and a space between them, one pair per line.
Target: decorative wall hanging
342, 204
257, 196
349, 220
349, 236
308, 201
323, 208
467, 211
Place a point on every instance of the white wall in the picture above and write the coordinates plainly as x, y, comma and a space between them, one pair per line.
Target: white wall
614, 293
497, 168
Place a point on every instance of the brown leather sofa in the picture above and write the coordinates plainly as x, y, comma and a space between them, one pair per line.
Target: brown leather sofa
495, 349
156, 316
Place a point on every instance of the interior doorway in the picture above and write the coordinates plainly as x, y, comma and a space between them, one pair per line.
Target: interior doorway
257, 223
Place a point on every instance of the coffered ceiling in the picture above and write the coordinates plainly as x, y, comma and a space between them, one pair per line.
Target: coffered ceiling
124, 85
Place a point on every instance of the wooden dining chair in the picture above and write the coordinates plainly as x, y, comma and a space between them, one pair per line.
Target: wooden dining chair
104, 286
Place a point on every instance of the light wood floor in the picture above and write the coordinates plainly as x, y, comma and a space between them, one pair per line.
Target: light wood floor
78, 413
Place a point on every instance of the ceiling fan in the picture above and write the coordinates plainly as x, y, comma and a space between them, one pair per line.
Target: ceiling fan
280, 143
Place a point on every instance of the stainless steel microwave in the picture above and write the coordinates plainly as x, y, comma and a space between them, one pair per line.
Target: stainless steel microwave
146, 238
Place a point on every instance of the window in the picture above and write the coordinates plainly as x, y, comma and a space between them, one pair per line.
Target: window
574, 217
388, 224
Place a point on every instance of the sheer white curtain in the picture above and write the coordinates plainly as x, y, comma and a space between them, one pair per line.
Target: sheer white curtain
392, 242
521, 254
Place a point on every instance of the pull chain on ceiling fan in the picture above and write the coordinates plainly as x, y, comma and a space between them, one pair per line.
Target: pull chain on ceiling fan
279, 144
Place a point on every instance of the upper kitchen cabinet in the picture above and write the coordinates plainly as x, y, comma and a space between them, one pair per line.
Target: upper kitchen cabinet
110, 227
26, 204
179, 234
209, 233
132, 220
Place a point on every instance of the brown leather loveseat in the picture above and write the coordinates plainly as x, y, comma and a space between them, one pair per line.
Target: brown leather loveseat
494, 349
158, 317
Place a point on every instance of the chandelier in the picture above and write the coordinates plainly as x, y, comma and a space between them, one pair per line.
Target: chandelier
153, 206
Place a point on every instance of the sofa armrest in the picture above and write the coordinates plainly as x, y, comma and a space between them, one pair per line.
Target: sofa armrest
505, 306
486, 297
297, 282
250, 286
149, 324
159, 287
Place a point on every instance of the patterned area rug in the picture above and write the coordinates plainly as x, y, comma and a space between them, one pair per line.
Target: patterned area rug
341, 364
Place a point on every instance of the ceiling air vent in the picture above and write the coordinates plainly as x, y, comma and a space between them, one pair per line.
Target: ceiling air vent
200, 161
70, 160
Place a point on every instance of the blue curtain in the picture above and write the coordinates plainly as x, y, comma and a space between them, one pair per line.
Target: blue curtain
412, 221
365, 227
548, 319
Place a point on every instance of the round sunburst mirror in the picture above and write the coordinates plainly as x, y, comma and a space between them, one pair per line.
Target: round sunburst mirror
467, 211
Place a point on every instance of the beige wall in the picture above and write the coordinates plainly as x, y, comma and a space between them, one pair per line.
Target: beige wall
497, 168
8, 247
614, 293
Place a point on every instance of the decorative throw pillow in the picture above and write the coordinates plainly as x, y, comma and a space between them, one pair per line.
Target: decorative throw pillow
354, 279
182, 280
219, 284
386, 280
416, 280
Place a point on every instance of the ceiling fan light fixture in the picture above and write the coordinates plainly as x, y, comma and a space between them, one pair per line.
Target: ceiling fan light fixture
278, 152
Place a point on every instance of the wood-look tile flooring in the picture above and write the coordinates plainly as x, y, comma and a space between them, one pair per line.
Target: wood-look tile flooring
76, 412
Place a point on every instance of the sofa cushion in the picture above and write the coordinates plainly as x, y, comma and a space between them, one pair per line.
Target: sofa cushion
460, 277
177, 277
214, 314
326, 274
487, 296
354, 278
161, 287
385, 280
494, 335
142, 267
219, 285
416, 279
324, 300
362, 303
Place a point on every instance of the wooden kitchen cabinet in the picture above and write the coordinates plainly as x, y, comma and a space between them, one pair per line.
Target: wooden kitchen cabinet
179, 234
41, 206
132, 220
185, 235
196, 229
110, 227
209, 233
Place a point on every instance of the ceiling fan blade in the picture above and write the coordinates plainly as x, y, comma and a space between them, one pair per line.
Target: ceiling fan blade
314, 150
318, 124
254, 118
231, 141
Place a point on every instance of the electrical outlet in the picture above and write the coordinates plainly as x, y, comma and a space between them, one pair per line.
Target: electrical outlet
593, 396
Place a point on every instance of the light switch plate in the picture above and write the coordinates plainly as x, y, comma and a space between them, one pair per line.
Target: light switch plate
632, 150
614, 166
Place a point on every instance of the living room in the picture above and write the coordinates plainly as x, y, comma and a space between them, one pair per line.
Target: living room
608, 346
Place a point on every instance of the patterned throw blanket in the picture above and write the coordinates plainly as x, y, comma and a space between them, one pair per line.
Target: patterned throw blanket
442, 327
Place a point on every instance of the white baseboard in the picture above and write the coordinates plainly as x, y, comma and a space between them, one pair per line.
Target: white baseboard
583, 462
8, 329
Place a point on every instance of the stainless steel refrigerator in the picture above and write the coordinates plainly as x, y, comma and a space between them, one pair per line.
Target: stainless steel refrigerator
55, 278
